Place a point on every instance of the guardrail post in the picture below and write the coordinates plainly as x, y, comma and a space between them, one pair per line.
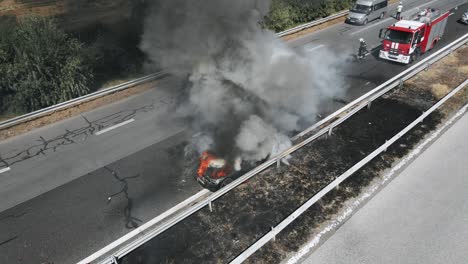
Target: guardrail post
278, 163
369, 104
210, 206
274, 235
385, 150
400, 83
330, 131
427, 67
114, 260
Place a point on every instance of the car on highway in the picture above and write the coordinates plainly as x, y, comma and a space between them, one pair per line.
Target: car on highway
464, 18
215, 172
367, 10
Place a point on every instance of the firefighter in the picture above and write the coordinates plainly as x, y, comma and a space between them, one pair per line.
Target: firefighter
399, 9
362, 49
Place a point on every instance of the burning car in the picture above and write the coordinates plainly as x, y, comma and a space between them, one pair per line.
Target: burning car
214, 172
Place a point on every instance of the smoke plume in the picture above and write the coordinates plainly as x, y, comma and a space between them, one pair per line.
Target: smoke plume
247, 90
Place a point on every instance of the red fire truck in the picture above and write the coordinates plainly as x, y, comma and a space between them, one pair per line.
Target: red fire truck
406, 39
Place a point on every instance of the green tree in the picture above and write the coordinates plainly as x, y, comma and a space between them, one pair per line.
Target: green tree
286, 13
41, 65
282, 16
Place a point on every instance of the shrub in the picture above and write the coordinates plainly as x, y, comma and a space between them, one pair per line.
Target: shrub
41, 65
286, 13
281, 16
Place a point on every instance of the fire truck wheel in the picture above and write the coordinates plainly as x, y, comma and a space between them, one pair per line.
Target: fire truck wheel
415, 55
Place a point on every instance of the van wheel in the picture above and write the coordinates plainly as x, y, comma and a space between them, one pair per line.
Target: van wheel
365, 22
382, 15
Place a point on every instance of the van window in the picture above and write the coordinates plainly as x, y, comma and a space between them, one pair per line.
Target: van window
363, 9
380, 5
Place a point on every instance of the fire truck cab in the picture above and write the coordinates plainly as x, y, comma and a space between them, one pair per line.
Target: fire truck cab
407, 39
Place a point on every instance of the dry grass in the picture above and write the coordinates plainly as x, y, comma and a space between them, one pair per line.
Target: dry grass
463, 70
436, 82
6, 116
118, 81
439, 90
74, 111
314, 28
449, 71
442, 77
69, 14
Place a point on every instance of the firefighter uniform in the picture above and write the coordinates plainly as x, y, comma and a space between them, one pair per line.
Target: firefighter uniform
399, 9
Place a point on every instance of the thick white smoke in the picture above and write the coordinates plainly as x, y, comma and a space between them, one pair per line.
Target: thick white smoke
247, 89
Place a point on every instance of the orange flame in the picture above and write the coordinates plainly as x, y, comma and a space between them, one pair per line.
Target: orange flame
205, 160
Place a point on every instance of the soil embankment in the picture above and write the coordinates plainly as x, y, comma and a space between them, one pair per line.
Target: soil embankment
72, 14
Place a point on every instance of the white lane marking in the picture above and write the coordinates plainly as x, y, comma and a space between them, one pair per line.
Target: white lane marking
4, 170
314, 48
114, 127
415, 9
371, 26
142, 229
367, 83
370, 192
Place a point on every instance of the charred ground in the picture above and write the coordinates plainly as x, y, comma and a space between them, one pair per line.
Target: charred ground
247, 213
243, 216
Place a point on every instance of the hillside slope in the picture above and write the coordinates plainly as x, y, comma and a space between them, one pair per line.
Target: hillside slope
71, 14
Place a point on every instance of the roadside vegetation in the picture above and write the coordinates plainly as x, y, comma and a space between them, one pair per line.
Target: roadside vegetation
285, 14
41, 64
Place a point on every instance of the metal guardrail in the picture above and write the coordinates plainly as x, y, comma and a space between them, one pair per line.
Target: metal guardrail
312, 24
331, 122
288, 220
390, 84
140, 231
51, 109
80, 100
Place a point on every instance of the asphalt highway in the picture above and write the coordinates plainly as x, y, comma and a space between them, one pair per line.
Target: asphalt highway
54, 200
420, 217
